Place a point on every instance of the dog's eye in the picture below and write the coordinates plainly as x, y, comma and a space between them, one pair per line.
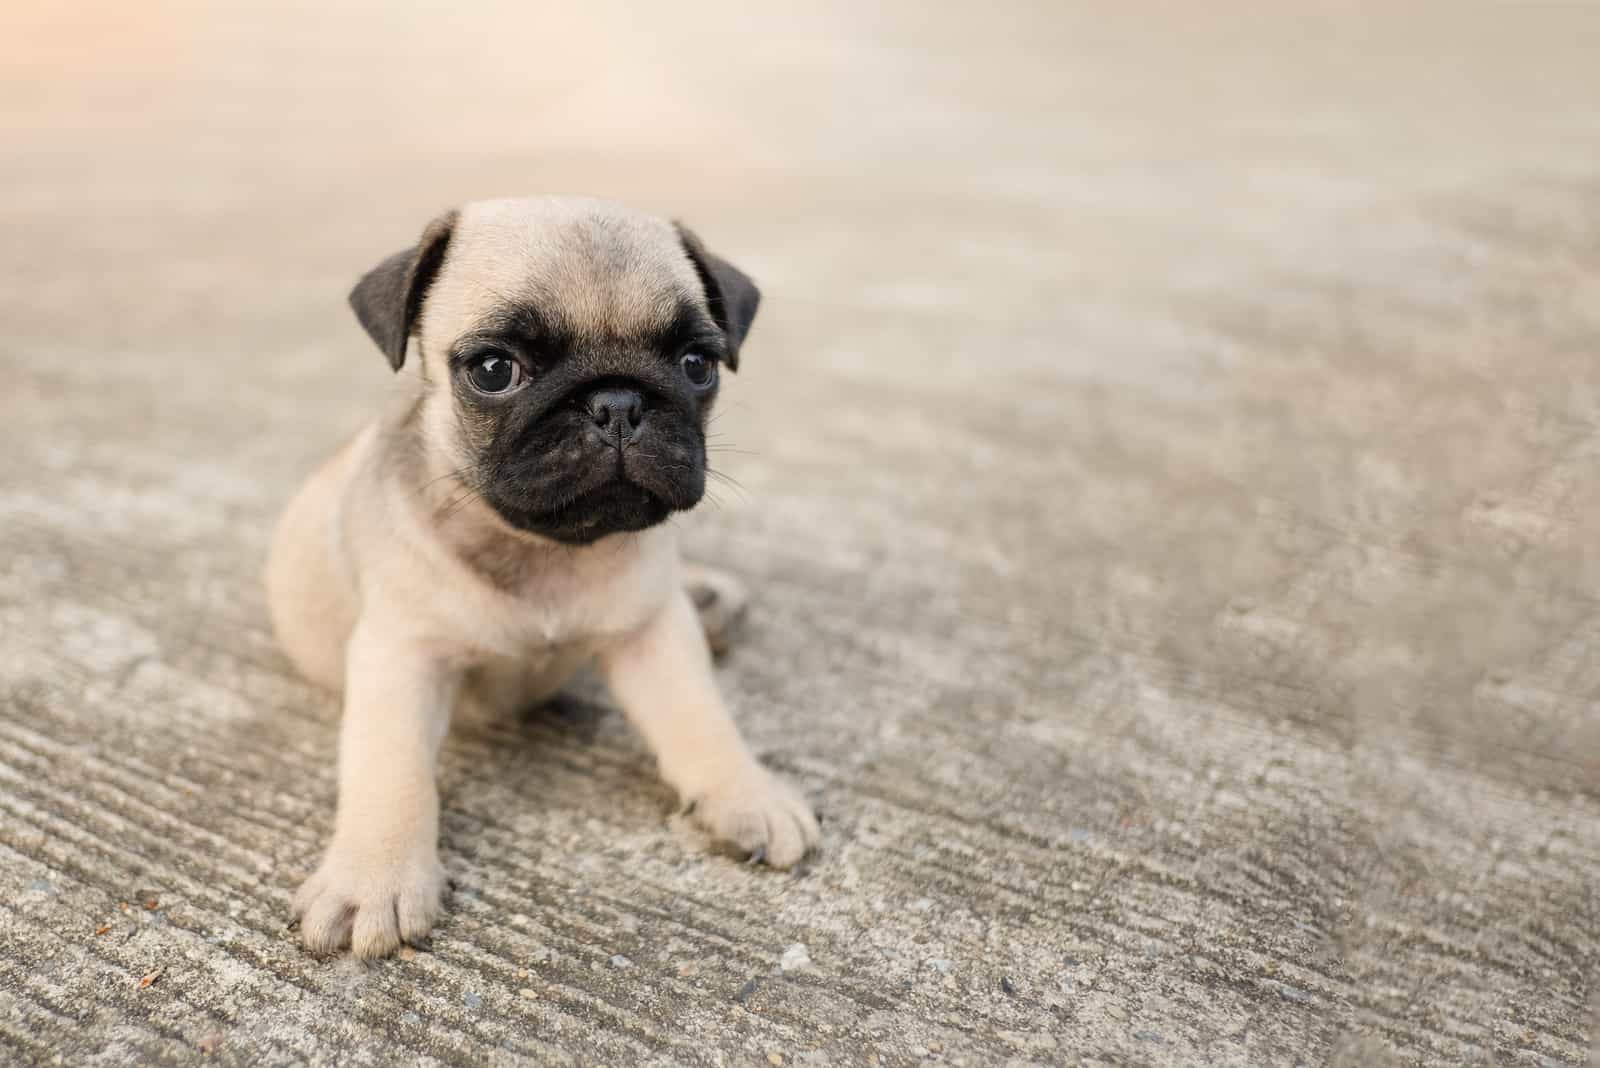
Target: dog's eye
494, 373
700, 371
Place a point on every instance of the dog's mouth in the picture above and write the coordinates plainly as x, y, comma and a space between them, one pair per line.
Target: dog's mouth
614, 506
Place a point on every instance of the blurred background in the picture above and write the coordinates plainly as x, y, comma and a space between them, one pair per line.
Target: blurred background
1168, 463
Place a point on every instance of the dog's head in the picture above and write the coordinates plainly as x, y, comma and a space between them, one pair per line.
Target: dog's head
570, 352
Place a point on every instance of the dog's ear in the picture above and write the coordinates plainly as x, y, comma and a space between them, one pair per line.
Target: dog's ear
388, 297
732, 296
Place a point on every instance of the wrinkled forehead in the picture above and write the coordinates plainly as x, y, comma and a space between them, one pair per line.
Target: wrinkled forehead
594, 270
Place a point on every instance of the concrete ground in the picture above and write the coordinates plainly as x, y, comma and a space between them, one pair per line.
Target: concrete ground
1169, 466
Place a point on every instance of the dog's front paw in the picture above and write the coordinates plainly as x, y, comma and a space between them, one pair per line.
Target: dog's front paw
759, 813
370, 900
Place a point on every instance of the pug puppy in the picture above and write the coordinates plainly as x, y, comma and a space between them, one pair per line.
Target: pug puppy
504, 526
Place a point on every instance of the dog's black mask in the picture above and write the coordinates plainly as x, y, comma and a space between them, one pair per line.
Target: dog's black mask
590, 436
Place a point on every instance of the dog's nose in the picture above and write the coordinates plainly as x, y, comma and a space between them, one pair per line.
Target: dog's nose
622, 407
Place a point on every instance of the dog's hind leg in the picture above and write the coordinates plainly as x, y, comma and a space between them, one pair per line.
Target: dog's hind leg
721, 601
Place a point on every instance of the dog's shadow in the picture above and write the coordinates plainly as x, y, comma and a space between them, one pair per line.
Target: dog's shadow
572, 754
575, 715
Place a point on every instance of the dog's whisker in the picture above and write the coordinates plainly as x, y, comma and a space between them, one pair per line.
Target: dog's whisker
728, 480
458, 503
457, 473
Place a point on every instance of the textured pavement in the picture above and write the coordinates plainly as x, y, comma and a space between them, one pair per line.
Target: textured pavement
1168, 468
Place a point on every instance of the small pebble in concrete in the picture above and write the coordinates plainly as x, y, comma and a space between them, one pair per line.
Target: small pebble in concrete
922, 904
940, 965
748, 991
527, 992
795, 958
41, 886
473, 1001
774, 1058
1007, 986
410, 1018
1292, 993
619, 961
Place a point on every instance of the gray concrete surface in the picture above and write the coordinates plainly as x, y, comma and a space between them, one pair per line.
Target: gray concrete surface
1170, 472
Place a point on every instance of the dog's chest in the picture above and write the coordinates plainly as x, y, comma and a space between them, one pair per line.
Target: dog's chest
551, 602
